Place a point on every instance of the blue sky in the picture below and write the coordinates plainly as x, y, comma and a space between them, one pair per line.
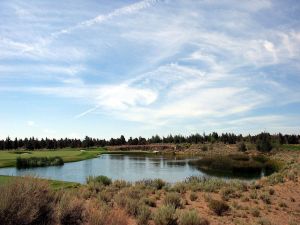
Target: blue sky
105, 68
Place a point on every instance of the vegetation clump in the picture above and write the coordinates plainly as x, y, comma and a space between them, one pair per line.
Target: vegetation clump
165, 215
144, 215
206, 184
242, 147
193, 196
70, 210
192, 218
173, 199
157, 184
26, 201
38, 162
218, 207
265, 197
99, 179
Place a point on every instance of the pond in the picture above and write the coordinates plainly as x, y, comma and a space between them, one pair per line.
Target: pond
129, 167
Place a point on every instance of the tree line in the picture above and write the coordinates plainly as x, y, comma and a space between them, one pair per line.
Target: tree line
226, 138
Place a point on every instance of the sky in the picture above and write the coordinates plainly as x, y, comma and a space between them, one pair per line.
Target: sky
104, 68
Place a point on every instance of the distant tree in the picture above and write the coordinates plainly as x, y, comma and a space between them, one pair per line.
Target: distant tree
263, 142
142, 141
16, 143
8, 144
122, 140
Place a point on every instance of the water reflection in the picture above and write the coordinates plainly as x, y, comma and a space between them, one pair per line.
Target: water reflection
130, 167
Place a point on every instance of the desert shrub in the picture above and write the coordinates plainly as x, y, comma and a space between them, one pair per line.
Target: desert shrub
120, 199
99, 179
204, 148
193, 196
119, 184
144, 215
283, 204
272, 166
207, 197
38, 162
191, 218
275, 178
242, 147
271, 191
132, 206
150, 202
133, 192
292, 175
253, 194
97, 215
263, 221
173, 199
26, 201
255, 212
105, 196
157, 184
228, 192
165, 215
236, 205
245, 199
70, 210
179, 187
218, 207
265, 197
197, 183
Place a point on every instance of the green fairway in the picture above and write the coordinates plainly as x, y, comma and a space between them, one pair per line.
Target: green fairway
55, 184
291, 147
8, 158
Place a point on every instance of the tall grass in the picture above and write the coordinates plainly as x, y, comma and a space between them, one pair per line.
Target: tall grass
38, 162
99, 179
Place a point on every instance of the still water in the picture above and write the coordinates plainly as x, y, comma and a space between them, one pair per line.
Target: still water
129, 167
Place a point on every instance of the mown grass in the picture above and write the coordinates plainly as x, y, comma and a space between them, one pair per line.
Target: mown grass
291, 147
8, 158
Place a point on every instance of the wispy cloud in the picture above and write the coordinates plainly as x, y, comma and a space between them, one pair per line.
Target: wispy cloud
40, 47
160, 64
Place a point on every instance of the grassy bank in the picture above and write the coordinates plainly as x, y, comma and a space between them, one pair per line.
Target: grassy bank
54, 184
8, 158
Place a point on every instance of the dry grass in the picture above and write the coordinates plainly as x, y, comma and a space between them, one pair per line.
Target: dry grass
26, 201
71, 210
